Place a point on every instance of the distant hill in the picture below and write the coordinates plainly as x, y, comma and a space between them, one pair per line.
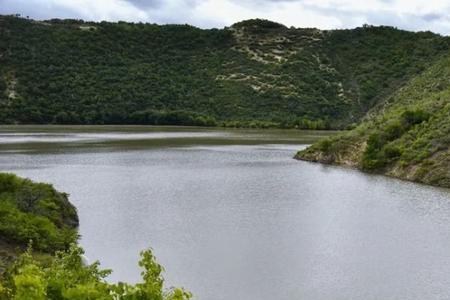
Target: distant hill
406, 137
256, 73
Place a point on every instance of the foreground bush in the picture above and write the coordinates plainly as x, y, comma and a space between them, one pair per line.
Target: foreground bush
66, 277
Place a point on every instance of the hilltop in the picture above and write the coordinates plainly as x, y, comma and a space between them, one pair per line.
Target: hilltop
255, 73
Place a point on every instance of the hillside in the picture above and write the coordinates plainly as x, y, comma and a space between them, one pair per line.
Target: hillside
408, 137
33, 212
254, 73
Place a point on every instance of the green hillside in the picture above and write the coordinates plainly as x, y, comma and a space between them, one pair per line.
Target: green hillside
407, 137
254, 73
33, 212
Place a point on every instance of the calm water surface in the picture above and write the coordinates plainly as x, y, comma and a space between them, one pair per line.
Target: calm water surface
231, 215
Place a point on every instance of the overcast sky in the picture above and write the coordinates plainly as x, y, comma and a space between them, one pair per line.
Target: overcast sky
415, 15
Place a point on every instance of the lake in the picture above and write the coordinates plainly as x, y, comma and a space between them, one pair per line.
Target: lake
230, 214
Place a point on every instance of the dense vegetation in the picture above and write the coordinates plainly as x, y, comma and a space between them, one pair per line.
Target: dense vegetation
67, 278
37, 212
407, 137
255, 73
37, 215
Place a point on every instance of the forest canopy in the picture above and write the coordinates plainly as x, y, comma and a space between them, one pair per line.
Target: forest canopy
255, 72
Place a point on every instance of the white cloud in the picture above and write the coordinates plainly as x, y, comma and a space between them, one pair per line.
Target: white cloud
86, 9
101, 9
325, 14
290, 13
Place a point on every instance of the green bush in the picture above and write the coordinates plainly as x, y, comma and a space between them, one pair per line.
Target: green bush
392, 152
67, 278
325, 145
393, 131
414, 117
372, 158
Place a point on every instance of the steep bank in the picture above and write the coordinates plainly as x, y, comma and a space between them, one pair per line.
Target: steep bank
407, 137
255, 73
33, 212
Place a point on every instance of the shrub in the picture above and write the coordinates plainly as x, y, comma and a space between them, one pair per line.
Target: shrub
392, 152
414, 117
325, 145
68, 278
394, 130
371, 159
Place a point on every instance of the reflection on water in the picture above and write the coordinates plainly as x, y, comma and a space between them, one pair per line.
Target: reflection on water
102, 137
62, 138
232, 217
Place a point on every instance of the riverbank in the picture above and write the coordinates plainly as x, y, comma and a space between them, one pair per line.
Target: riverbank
407, 137
351, 152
